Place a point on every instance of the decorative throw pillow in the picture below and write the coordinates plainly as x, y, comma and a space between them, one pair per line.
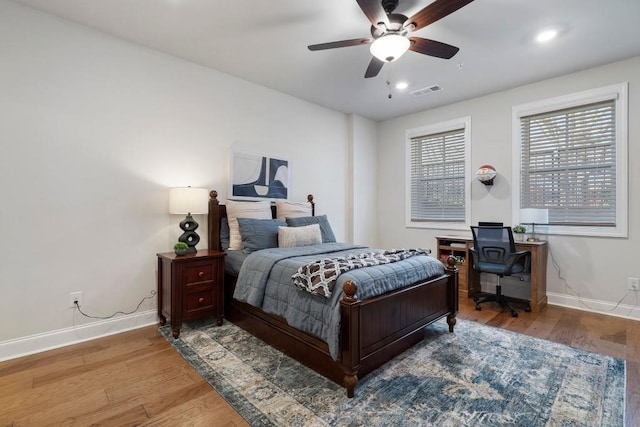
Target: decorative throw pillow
286, 209
291, 237
235, 210
322, 220
259, 234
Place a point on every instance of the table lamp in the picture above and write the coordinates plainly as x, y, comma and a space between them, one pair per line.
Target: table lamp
533, 217
187, 200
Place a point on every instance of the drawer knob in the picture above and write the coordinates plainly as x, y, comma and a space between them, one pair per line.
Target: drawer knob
200, 273
200, 300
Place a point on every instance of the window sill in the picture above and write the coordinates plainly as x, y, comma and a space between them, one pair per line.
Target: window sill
582, 231
439, 225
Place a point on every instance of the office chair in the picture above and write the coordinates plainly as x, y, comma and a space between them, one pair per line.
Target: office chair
494, 251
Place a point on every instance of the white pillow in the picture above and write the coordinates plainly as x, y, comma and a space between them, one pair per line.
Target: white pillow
235, 210
291, 237
286, 209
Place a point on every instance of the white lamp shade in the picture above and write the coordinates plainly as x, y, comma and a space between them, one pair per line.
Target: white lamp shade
184, 200
390, 47
534, 216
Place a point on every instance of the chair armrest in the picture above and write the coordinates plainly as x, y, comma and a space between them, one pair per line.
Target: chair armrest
517, 257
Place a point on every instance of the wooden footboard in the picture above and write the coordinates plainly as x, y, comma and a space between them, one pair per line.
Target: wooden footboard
376, 330
372, 331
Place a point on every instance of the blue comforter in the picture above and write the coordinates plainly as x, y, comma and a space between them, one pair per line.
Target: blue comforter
265, 281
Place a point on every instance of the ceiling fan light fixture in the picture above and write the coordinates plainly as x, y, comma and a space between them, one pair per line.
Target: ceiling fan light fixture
546, 35
390, 47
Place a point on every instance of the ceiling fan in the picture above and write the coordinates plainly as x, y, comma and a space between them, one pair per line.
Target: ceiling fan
391, 31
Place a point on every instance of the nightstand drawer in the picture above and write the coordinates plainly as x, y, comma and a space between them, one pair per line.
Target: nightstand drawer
198, 272
197, 301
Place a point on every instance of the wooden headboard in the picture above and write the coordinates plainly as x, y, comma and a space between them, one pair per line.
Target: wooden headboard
218, 211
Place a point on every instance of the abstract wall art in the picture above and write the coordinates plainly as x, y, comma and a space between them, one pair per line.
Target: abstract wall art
258, 177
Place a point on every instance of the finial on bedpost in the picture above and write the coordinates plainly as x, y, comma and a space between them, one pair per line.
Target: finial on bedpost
451, 262
213, 196
350, 290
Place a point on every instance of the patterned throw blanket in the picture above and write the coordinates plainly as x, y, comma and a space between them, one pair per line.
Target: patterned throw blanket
319, 277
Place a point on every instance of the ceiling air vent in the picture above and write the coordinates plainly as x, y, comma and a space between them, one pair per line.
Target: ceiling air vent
426, 90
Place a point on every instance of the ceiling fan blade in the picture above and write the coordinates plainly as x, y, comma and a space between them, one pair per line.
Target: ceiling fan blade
374, 11
432, 48
434, 12
374, 68
341, 43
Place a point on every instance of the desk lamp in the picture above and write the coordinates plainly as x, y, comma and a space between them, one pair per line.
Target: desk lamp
187, 200
533, 217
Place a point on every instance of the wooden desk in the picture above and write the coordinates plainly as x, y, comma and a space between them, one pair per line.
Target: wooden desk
469, 279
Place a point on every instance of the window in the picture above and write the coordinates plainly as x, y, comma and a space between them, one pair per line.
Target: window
571, 160
437, 177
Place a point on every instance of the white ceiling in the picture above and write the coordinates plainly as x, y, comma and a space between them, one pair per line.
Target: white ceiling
265, 41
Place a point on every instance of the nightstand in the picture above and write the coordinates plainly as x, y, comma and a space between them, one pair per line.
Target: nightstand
190, 287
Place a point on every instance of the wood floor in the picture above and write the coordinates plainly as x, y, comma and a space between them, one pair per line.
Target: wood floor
136, 378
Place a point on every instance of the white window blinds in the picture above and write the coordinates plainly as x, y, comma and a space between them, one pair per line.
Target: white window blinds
438, 176
568, 164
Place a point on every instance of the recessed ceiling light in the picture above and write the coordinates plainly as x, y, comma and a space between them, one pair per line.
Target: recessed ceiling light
402, 85
546, 35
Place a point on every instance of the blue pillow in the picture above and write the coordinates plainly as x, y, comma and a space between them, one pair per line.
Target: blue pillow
325, 228
259, 234
225, 234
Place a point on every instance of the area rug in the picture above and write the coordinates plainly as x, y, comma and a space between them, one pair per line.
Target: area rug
477, 376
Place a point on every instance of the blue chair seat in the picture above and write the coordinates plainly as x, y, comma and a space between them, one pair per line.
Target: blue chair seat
490, 267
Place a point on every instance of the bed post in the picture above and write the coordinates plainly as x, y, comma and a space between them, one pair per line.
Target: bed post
350, 336
452, 293
313, 204
214, 221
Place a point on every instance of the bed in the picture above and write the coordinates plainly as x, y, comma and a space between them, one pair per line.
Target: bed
371, 331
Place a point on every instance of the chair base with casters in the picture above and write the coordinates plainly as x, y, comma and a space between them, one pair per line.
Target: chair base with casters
503, 300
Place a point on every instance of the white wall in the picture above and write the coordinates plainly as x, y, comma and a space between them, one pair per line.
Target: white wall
93, 132
596, 268
362, 208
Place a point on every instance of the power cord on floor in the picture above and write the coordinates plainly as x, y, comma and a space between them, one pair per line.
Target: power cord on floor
573, 292
153, 294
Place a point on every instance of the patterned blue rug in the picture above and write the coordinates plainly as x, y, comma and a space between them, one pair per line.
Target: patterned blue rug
477, 376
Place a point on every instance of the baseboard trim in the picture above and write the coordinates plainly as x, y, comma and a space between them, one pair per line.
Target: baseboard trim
595, 306
20, 347
32, 344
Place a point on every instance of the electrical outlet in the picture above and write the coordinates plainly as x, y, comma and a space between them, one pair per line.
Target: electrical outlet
633, 283
73, 297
